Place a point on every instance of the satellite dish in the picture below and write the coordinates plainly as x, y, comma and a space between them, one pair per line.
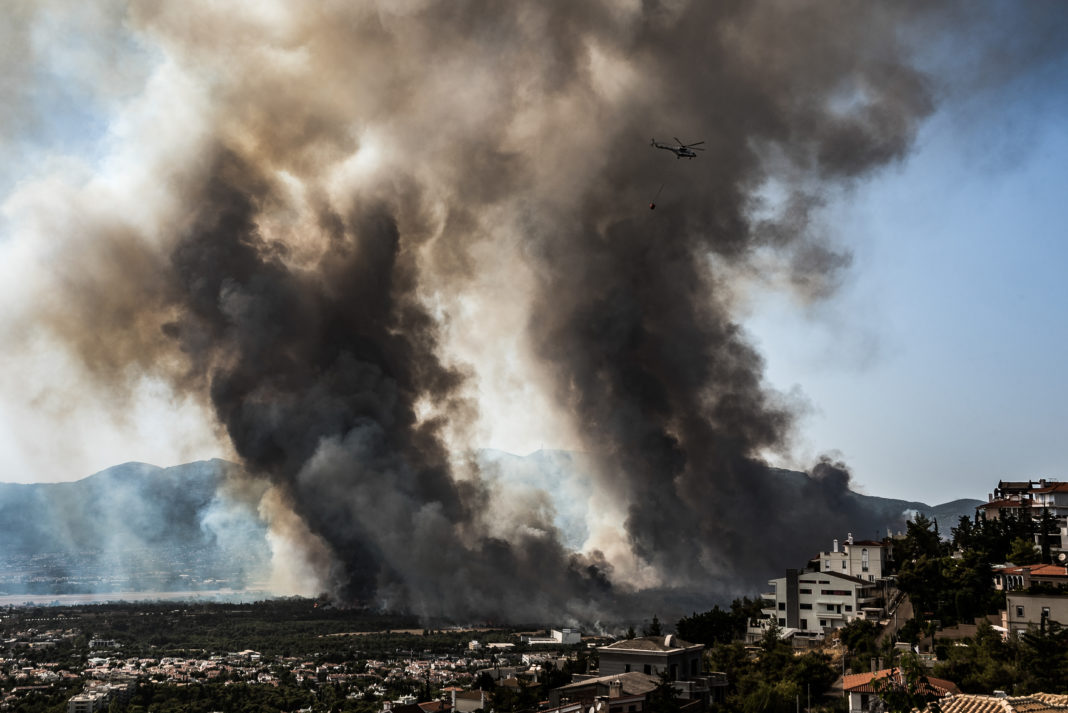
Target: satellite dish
1062, 557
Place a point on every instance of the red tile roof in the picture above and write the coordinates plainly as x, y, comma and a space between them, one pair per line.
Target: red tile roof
1048, 570
865, 683
1035, 703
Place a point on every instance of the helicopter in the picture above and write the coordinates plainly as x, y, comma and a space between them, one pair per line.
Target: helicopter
681, 150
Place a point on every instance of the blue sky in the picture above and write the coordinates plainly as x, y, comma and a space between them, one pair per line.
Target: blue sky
938, 368
935, 370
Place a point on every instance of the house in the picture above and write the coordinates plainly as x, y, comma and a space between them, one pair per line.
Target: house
652, 655
1024, 611
863, 559
863, 689
809, 604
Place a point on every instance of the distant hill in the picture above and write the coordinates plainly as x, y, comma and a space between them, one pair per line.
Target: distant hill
134, 526
140, 527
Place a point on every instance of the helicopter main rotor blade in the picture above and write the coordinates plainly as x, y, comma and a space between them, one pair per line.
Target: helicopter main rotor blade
690, 146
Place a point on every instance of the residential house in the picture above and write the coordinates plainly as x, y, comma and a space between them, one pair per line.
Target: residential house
863, 689
628, 689
635, 667
652, 655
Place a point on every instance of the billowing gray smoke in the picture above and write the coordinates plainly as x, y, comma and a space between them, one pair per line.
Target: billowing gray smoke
338, 214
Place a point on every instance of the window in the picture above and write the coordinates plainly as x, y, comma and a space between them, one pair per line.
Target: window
826, 564
805, 591
782, 622
849, 607
804, 624
864, 559
871, 577
782, 606
693, 667
823, 622
626, 668
844, 564
1045, 612
806, 606
648, 669
1019, 610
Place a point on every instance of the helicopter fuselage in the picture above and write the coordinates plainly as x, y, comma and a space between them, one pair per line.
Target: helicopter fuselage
679, 151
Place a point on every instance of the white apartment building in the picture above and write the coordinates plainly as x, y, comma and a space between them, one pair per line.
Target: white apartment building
812, 604
863, 559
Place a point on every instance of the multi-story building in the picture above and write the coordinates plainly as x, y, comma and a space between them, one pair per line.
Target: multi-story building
812, 604
864, 559
88, 702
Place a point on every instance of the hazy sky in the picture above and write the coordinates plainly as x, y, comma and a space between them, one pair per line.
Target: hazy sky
934, 370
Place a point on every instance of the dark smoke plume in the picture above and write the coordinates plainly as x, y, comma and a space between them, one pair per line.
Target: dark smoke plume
352, 183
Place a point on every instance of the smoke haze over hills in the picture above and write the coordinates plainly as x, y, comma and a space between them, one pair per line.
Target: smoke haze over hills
136, 530
327, 226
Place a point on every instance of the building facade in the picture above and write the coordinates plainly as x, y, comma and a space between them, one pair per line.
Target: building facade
864, 559
812, 604
1024, 611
